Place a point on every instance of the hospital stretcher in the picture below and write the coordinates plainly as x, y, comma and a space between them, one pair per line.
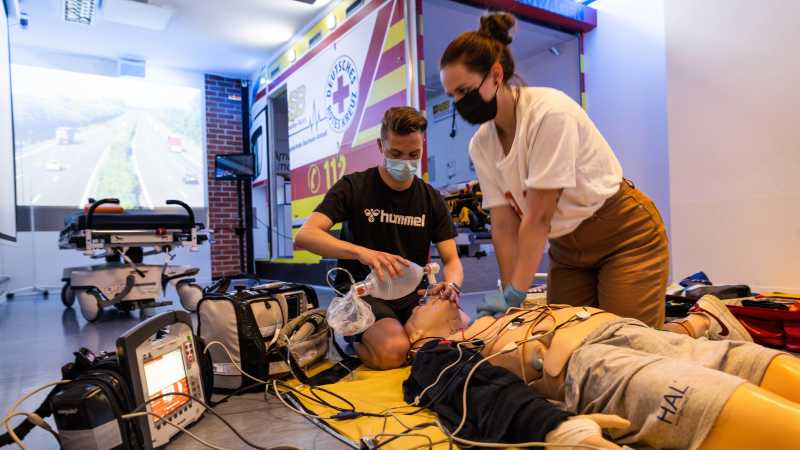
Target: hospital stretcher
123, 281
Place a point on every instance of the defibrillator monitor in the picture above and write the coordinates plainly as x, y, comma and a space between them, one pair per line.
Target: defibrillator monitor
165, 375
160, 359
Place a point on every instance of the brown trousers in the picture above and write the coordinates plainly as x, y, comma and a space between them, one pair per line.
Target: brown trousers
616, 260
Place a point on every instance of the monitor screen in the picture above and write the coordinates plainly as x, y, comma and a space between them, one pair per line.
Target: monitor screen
165, 375
234, 167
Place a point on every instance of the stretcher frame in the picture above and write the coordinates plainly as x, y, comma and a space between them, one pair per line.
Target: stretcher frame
127, 283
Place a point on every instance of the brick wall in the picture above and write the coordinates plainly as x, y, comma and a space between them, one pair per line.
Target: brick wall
224, 135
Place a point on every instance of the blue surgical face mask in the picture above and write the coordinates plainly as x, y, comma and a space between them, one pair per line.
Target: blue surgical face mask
402, 169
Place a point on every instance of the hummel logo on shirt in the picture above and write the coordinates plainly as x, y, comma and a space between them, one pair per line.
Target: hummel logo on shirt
397, 219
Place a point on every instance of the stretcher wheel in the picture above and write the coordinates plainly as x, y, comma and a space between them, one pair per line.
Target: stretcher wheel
124, 307
90, 305
146, 310
190, 294
67, 295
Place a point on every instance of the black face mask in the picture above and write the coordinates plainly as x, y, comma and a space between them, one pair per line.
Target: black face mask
474, 109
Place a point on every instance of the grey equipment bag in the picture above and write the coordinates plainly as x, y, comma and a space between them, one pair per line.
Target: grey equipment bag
249, 323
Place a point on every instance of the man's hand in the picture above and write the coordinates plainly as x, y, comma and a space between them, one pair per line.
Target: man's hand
383, 264
588, 430
449, 291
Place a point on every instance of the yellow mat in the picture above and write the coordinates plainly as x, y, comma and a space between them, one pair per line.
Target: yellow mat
374, 392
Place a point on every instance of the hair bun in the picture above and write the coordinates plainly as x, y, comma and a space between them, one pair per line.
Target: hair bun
498, 26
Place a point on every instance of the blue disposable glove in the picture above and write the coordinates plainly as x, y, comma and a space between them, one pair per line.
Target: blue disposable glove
493, 303
513, 296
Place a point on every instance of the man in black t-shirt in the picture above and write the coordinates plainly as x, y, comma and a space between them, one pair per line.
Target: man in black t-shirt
392, 217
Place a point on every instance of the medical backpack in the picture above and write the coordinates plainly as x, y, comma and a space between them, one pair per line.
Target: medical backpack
88, 409
262, 329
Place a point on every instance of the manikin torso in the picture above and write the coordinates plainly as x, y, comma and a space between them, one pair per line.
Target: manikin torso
441, 318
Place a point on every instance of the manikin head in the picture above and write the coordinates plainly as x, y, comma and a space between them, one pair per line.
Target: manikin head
437, 318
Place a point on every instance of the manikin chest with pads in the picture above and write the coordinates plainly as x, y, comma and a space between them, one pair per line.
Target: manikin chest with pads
547, 345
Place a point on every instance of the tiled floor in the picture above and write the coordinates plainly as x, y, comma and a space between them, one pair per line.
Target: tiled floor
38, 335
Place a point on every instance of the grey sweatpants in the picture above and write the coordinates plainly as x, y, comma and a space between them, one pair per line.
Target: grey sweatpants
670, 386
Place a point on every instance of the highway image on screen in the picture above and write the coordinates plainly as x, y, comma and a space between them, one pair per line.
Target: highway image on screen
81, 136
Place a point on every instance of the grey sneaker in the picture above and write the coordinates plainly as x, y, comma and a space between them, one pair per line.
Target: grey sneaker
723, 324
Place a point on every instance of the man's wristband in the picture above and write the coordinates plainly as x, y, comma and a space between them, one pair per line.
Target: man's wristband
455, 287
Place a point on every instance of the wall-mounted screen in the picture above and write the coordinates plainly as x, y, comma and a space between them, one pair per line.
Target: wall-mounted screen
8, 207
234, 167
81, 136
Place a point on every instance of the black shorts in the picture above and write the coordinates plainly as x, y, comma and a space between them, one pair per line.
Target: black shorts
399, 310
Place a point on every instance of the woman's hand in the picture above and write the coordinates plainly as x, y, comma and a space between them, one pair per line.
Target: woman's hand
586, 430
493, 304
382, 263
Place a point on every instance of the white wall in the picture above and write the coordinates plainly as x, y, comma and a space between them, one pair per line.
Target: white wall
101, 66
732, 84
625, 85
2, 265
556, 71
698, 100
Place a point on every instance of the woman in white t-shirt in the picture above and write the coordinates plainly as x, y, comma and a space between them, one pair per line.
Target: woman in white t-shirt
546, 172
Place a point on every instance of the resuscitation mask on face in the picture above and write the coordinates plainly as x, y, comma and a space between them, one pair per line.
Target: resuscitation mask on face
474, 109
437, 316
401, 169
349, 314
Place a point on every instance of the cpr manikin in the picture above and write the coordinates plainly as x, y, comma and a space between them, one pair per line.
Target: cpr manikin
678, 392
